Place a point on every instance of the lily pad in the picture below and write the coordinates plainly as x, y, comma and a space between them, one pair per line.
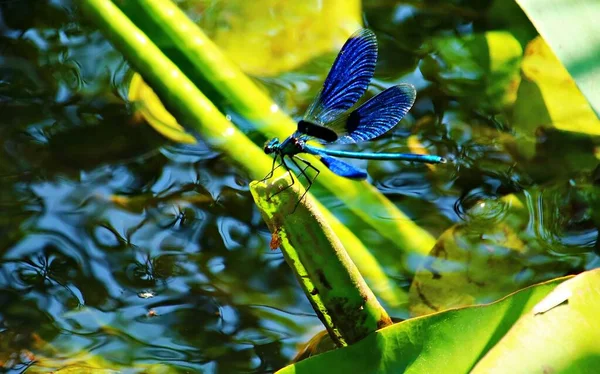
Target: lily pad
506, 244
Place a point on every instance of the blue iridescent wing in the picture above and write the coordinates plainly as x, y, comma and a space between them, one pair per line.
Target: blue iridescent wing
342, 168
347, 80
376, 116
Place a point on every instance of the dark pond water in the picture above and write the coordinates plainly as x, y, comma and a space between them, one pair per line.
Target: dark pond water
116, 243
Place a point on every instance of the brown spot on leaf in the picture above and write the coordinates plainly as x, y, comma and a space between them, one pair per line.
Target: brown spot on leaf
548, 369
275, 241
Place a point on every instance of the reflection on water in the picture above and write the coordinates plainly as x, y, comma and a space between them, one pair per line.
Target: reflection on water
117, 243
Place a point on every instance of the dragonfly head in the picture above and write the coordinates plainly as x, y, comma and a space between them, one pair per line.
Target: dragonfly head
271, 146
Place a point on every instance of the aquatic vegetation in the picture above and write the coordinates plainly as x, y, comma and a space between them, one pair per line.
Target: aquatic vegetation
134, 238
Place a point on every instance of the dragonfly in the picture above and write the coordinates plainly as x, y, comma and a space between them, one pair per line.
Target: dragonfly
330, 120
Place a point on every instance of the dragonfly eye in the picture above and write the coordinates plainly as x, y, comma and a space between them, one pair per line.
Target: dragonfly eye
271, 145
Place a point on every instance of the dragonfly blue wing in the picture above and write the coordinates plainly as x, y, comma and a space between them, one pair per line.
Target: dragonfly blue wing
342, 168
347, 80
376, 116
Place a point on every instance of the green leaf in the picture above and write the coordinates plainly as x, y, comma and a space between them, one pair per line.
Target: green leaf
456, 341
560, 335
481, 68
572, 30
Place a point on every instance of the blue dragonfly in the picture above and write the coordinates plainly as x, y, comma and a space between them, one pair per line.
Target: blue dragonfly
329, 119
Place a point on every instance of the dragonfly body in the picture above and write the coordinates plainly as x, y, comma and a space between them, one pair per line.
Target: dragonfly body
294, 145
330, 120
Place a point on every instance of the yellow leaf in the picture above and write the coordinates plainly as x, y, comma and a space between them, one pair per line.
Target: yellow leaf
267, 37
549, 98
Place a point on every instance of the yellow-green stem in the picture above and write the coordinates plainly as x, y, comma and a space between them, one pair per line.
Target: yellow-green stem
329, 278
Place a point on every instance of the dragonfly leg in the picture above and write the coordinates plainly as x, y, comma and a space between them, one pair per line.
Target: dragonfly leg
287, 168
309, 165
273, 167
303, 171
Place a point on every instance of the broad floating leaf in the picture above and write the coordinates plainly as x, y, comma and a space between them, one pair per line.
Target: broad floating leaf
507, 244
505, 334
560, 336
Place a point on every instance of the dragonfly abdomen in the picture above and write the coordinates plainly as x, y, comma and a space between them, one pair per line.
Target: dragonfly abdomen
431, 159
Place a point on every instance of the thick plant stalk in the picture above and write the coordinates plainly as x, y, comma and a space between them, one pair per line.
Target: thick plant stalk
189, 105
329, 278
251, 102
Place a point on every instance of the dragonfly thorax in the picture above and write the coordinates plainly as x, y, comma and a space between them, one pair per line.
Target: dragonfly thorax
288, 147
291, 146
